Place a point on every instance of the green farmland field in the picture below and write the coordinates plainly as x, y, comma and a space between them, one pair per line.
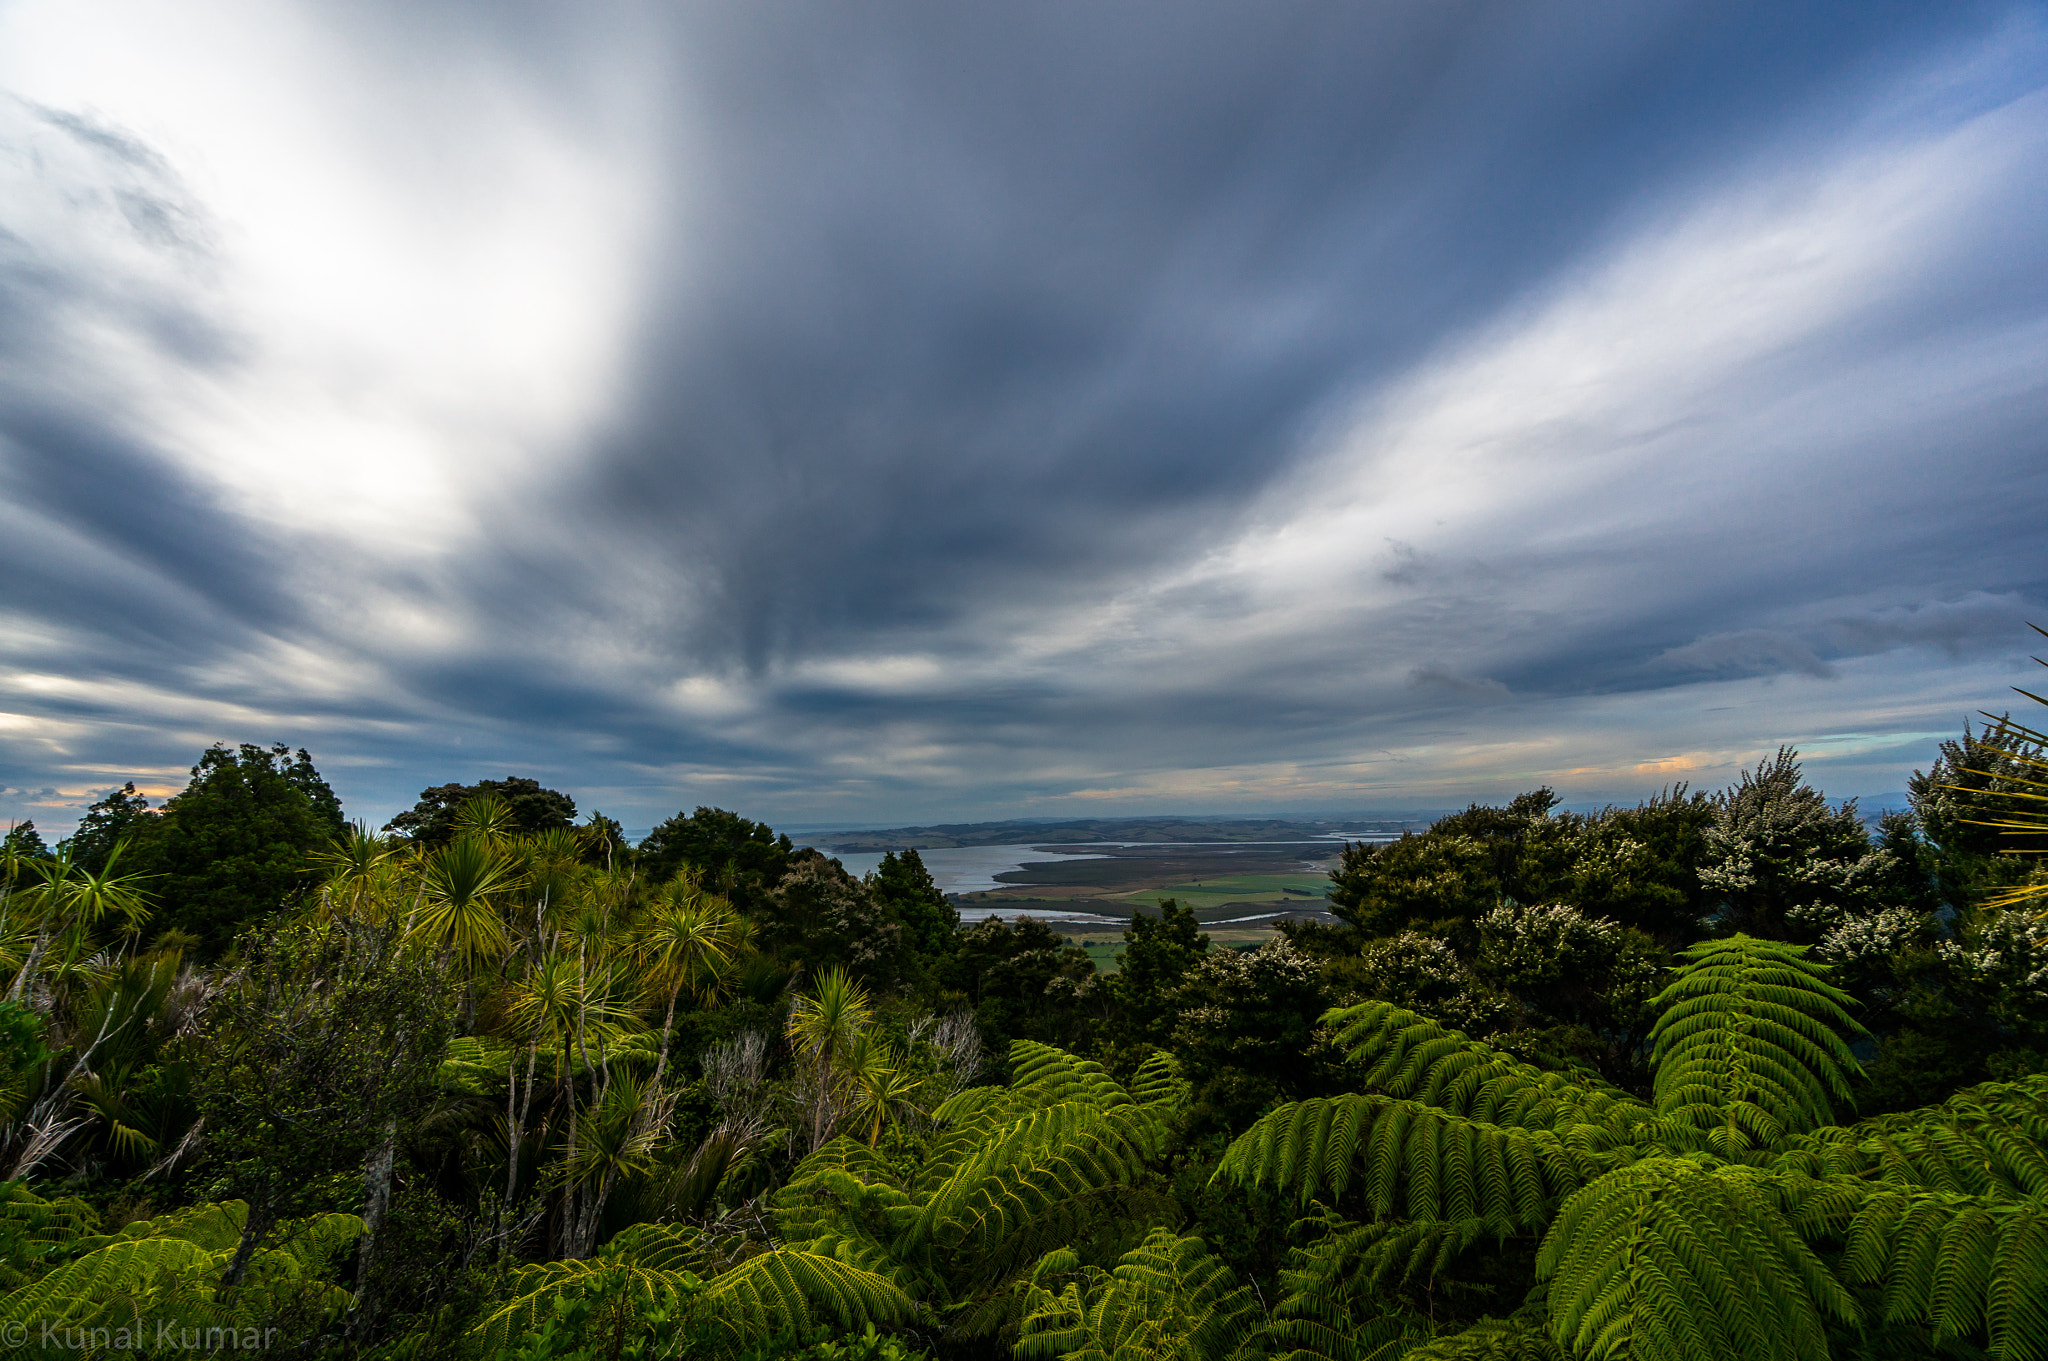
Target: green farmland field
1302, 890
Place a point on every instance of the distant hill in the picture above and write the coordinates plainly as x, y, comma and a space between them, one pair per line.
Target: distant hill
1081, 830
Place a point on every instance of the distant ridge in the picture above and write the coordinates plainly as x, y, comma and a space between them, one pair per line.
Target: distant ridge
1071, 831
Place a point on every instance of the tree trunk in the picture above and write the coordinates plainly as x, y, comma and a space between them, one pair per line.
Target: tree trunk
254, 1228
518, 1125
377, 1177
35, 957
668, 1023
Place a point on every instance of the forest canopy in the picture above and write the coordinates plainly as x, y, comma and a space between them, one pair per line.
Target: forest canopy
1728, 1072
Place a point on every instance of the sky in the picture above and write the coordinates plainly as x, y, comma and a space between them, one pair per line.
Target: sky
908, 412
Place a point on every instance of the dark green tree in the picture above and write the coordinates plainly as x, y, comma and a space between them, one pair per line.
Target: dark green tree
535, 808
1244, 1031
23, 840
903, 888
232, 847
1506, 833
819, 916
123, 815
1157, 955
1025, 982
322, 1052
742, 859
1637, 866
1435, 882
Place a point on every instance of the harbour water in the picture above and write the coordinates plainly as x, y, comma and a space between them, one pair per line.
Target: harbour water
966, 869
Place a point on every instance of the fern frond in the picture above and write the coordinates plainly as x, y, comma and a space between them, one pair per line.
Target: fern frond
1409, 1055
843, 1188
1418, 1161
1117, 1213
1169, 1298
1748, 1045
539, 1286
1057, 1152
1304, 1332
1493, 1339
789, 1290
1676, 1258
1333, 1304
123, 1268
1011, 1172
1988, 1140
1158, 1085
171, 1265
36, 1233
214, 1227
1966, 1267
1388, 1255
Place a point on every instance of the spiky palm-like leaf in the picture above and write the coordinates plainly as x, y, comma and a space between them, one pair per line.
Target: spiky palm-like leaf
461, 886
687, 939
360, 874
1168, 1298
823, 1022
2022, 780
1749, 1045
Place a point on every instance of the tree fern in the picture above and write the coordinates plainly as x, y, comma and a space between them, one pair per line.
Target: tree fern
1168, 1298
1679, 1258
1521, 1337
1988, 1140
1749, 1043
1961, 1265
1408, 1055
1030, 1163
171, 1266
790, 1290
781, 1290
81, 1288
36, 1233
1055, 1157
1672, 1227
1158, 1085
1388, 1255
1333, 1305
1414, 1160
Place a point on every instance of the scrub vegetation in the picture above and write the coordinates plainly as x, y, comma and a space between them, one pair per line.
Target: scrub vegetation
1723, 1074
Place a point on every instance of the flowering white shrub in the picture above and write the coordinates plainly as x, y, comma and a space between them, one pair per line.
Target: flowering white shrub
1873, 937
1424, 973
2002, 949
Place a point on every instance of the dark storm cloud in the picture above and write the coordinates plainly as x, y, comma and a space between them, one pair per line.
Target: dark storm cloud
973, 335
995, 303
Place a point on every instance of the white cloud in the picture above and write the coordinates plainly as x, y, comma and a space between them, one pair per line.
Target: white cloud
429, 276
